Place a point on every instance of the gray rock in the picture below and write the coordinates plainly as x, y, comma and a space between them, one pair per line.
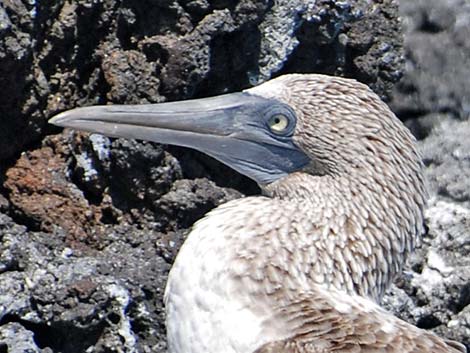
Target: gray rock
433, 98
437, 63
446, 153
67, 300
16, 60
432, 293
15, 338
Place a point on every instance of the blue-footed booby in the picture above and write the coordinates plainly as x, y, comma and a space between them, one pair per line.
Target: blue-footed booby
302, 267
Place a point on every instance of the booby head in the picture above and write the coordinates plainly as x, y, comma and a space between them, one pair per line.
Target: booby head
295, 123
248, 132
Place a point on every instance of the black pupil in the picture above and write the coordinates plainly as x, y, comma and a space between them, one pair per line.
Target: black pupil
277, 120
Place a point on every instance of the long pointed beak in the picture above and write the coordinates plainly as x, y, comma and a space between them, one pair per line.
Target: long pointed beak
231, 128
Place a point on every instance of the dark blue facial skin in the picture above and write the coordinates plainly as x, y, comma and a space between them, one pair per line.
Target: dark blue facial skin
234, 128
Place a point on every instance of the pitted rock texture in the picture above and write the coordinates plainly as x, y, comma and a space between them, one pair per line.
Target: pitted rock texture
56, 298
446, 152
62, 54
433, 292
103, 221
433, 99
435, 85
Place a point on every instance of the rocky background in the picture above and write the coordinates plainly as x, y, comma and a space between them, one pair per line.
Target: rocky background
89, 226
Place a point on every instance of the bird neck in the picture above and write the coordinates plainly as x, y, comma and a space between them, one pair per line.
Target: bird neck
364, 228
348, 233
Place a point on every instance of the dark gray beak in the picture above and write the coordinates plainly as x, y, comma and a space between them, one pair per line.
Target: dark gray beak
249, 133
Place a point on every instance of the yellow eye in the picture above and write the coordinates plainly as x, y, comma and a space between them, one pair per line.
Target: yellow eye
278, 123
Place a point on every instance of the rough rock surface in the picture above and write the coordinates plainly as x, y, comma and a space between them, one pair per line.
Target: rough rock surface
433, 98
56, 55
434, 291
90, 226
435, 85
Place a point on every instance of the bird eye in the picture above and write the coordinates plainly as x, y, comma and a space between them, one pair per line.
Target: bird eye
278, 123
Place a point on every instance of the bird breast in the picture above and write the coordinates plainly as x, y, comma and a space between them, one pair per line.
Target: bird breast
209, 309
250, 255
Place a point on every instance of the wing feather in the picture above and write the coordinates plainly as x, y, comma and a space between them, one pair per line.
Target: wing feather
328, 321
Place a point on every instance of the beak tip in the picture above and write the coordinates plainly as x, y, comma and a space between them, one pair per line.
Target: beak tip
56, 120
61, 119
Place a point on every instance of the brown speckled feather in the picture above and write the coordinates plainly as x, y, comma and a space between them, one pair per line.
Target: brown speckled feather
305, 267
359, 326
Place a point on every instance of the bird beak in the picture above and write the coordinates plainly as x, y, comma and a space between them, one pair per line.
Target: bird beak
231, 128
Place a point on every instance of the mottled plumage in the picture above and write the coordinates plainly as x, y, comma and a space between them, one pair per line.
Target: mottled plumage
301, 268
298, 258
